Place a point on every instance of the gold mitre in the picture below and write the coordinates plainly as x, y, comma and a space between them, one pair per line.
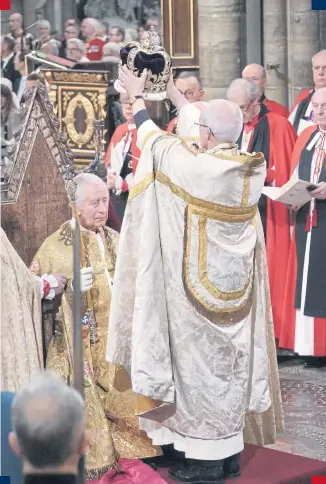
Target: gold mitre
147, 55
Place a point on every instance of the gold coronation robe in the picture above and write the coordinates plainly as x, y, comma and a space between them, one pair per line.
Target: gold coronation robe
111, 423
21, 321
190, 315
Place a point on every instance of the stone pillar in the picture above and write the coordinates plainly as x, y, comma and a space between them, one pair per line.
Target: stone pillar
221, 43
275, 50
303, 43
253, 32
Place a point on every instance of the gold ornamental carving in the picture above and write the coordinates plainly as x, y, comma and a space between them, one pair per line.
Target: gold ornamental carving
80, 139
77, 77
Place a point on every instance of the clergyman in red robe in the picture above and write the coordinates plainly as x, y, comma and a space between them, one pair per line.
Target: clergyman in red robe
257, 74
301, 112
304, 312
190, 86
272, 135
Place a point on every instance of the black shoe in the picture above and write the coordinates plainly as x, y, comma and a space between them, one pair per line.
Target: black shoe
231, 467
314, 362
170, 457
199, 472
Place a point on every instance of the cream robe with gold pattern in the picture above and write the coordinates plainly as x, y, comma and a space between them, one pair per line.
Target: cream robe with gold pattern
21, 321
190, 316
110, 408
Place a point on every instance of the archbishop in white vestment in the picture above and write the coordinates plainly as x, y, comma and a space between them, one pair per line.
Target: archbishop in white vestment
190, 312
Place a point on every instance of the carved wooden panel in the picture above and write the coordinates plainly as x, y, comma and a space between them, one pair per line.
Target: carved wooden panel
79, 98
180, 32
34, 202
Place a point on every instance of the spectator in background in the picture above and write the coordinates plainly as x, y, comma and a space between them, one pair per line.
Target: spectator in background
16, 25
75, 50
51, 47
20, 84
103, 30
7, 59
10, 121
27, 44
72, 31
48, 430
111, 52
117, 35
43, 30
90, 30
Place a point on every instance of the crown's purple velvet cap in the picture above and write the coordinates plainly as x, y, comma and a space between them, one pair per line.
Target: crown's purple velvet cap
153, 62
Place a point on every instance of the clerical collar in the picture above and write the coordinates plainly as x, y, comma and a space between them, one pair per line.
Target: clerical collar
50, 479
131, 126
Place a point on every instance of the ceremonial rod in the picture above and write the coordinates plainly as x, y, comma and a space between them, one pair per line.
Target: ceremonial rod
78, 359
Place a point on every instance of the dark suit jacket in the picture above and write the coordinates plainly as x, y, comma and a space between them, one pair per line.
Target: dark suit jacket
10, 73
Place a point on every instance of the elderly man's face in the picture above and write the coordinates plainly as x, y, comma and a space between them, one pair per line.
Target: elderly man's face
126, 109
115, 36
93, 212
190, 89
249, 108
255, 74
319, 70
319, 108
14, 22
73, 52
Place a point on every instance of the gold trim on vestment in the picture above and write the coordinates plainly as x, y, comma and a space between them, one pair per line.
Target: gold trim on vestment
209, 311
144, 404
141, 186
215, 211
202, 266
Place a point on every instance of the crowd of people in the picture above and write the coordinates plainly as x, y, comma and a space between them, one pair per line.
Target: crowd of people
207, 273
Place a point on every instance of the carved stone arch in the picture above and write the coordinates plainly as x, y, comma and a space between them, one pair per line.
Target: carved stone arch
34, 202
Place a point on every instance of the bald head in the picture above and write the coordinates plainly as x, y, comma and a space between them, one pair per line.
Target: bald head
15, 23
256, 74
319, 69
318, 102
220, 122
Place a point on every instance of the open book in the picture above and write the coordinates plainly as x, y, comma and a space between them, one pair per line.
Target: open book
294, 192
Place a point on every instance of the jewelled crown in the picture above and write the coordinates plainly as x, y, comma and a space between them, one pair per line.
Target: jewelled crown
148, 55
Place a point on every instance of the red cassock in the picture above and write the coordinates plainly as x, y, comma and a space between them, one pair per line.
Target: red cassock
274, 136
172, 125
288, 330
301, 97
276, 108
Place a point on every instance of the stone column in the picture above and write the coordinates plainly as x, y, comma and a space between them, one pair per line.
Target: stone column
221, 43
29, 13
275, 49
303, 43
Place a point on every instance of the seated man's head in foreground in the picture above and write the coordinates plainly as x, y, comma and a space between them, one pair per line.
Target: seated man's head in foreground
220, 122
48, 426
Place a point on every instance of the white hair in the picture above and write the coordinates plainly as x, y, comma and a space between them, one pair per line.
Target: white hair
48, 420
84, 179
111, 49
323, 52
44, 23
95, 24
224, 119
78, 43
53, 46
240, 84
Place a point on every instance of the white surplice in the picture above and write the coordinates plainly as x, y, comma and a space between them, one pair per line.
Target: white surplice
190, 311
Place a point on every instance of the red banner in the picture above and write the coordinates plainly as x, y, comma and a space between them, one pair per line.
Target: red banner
4, 4
318, 480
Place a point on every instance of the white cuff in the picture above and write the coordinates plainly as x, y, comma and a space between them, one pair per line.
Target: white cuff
130, 180
53, 284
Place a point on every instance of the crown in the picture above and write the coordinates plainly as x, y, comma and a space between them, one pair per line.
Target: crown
147, 55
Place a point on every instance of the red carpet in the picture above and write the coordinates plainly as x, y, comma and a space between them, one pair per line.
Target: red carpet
266, 466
